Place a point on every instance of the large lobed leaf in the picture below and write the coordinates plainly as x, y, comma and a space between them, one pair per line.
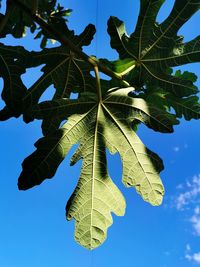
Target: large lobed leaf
62, 68
153, 48
95, 124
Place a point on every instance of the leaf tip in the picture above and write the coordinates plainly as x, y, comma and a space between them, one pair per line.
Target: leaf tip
23, 183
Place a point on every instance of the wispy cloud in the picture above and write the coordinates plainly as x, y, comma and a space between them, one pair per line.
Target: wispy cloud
190, 194
176, 148
188, 199
188, 248
195, 257
195, 220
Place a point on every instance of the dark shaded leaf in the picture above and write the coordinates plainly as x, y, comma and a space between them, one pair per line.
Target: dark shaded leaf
18, 21
12, 65
154, 48
67, 72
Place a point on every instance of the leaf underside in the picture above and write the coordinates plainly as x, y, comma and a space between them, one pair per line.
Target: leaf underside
98, 125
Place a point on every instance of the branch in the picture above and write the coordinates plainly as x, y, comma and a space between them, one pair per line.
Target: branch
63, 40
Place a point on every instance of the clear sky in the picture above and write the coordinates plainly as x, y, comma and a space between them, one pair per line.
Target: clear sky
33, 229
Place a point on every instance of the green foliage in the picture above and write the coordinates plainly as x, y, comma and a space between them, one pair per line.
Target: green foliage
67, 72
106, 113
17, 20
12, 66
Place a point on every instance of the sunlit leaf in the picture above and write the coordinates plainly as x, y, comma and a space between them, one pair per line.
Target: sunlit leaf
95, 125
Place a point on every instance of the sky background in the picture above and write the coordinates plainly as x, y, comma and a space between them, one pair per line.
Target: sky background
33, 229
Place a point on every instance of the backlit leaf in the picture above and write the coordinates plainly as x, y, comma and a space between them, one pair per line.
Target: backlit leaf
96, 124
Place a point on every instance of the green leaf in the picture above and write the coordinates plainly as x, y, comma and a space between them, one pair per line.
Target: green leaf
137, 108
67, 72
145, 24
95, 124
122, 66
155, 47
188, 107
186, 75
18, 20
12, 66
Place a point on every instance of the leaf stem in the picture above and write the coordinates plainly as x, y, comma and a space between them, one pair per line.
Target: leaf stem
128, 69
63, 40
96, 70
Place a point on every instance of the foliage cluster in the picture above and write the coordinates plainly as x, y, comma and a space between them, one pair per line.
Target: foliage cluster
142, 89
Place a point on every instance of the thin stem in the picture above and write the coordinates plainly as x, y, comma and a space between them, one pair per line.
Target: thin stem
63, 40
128, 69
98, 83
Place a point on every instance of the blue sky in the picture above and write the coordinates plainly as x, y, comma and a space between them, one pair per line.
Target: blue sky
33, 230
